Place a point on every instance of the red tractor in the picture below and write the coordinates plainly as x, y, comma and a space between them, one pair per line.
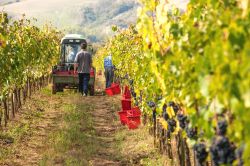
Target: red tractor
63, 74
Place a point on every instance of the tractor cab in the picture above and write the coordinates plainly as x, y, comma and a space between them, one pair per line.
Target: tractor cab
63, 74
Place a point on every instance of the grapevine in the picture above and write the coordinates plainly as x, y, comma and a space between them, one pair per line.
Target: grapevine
26, 54
199, 59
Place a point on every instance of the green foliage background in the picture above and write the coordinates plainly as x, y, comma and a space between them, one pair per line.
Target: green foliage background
199, 59
26, 52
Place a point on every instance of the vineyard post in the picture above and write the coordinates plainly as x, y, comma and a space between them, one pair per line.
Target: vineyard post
179, 149
29, 87
40, 82
169, 147
26, 89
12, 105
8, 105
182, 148
158, 134
37, 84
160, 139
16, 99
5, 112
24, 92
145, 119
43, 81
33, 87
154, 125
194, 154
19, 98
1, 115
187, 153
164, 148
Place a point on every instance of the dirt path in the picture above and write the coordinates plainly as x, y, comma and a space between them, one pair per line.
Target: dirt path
30, 130
67, 129
105, 129
44, 115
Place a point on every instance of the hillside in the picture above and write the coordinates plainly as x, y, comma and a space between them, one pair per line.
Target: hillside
93, 18
6, 2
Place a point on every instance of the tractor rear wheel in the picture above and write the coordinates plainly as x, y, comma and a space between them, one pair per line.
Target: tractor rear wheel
91, 90
54, 89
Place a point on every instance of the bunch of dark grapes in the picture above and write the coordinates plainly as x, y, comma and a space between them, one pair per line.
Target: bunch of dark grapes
200, 153
151, 104
168, 134
174, 106
126, 76
133, 94
131, 82
171, 103
171, 125
154, 114
222, 127
222, 151
159, 98
182, 120
115, 68
239, 154
137, 101
164, 112
132, 91
191, 133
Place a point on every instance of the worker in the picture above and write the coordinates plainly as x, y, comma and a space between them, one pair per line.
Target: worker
109, 73
83, 63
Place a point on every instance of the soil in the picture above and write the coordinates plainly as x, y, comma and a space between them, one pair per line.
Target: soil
98, 138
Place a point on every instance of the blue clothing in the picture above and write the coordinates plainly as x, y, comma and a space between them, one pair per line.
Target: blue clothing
108, 62
84, 82
109, 74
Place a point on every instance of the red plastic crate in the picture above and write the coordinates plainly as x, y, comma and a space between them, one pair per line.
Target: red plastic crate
133, 122
134, 112
109, 91
116, 88
127, 94
126, 104
123, 117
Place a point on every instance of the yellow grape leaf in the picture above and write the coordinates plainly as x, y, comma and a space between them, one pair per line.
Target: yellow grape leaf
163, 123
170, 112
176, 131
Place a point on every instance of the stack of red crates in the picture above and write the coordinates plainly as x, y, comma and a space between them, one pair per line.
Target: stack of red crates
129, 116
114, 89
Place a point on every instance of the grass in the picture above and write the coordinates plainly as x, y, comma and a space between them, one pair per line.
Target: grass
18, 131
73, 140
137, 147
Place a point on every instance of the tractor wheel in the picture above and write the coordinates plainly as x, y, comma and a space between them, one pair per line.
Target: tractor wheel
60, 88
54, 89
91, 90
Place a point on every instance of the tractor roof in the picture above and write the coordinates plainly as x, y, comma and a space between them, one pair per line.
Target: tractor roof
73, 36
